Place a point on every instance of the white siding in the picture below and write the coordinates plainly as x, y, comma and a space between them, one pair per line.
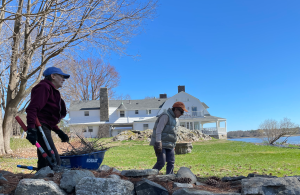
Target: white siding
79, 128
188, 100
139, 126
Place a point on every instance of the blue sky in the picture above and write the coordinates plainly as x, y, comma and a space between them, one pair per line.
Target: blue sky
239, 57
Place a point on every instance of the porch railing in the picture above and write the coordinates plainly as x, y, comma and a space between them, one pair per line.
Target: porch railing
214, 130
192, 114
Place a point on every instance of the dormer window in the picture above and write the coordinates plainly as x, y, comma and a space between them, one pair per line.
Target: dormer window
86, 113
122, 113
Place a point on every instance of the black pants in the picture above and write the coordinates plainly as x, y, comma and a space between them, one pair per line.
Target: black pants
168, 156
42, 162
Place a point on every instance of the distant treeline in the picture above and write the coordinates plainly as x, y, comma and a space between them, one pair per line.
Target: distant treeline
249, 133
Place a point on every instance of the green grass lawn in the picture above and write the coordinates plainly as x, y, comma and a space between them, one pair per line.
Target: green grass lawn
208, 158
215, 157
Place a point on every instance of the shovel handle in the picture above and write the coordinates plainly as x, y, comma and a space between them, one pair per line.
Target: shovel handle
21, 123
37, 122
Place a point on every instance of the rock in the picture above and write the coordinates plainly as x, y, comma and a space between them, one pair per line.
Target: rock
113, 176
183, 148
182, 185
226, 179
2, 178
137, 173
256, 175
147, 187
297, 176
104, 168
71, 178
43, 172
190, 191
104, 186
38, 186
266, 186
168, 177
183, 135
116, 171
200, 184
186, 172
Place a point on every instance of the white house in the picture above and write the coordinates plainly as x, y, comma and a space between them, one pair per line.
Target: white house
141, 115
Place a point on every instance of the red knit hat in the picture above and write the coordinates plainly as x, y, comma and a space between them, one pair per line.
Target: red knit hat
179, 105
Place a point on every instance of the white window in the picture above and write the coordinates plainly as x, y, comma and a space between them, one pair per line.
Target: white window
84, 130
136, 112
148, 111
188, 125
90, 128
145, 126
122, 113
86, 113
182, 124
194, 111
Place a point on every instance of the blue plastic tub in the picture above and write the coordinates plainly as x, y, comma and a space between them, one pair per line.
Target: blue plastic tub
85, 161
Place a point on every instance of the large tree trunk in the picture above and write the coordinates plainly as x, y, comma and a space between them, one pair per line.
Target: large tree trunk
7, 126
2, 151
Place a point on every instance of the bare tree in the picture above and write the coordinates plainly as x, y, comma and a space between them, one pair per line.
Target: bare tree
274, 130
87, 77
36, 32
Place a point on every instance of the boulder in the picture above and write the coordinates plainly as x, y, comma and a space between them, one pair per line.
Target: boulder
138, 173
113, 176
168, 177
182, 185
226, 179
70, 179
104, 186
38, 186
186, 172
266, 186
43, 172
192, 191
183, 148
147, 187
116, 171
257, 175
104, 168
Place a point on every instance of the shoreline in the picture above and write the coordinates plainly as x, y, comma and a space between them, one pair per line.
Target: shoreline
259, 137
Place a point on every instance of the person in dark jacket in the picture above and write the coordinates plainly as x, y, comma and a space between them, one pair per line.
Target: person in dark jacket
164, 136
47, 105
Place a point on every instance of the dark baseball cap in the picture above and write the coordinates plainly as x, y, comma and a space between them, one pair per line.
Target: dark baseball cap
54, 70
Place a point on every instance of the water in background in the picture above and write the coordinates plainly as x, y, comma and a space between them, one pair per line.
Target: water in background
291, 140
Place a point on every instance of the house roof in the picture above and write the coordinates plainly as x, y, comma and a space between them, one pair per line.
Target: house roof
204, 104
129, 104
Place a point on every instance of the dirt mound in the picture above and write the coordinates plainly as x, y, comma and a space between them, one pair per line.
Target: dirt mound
183, 135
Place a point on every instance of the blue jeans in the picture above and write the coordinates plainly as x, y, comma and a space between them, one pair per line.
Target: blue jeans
167, 155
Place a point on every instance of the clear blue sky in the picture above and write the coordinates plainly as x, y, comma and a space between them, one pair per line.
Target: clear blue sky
239, 57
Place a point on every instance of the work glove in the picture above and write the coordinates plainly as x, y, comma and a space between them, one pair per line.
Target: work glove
64, 137
158, 147
31, 135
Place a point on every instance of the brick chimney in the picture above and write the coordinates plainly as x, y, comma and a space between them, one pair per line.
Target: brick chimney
104, 114
162, 96
181, 88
